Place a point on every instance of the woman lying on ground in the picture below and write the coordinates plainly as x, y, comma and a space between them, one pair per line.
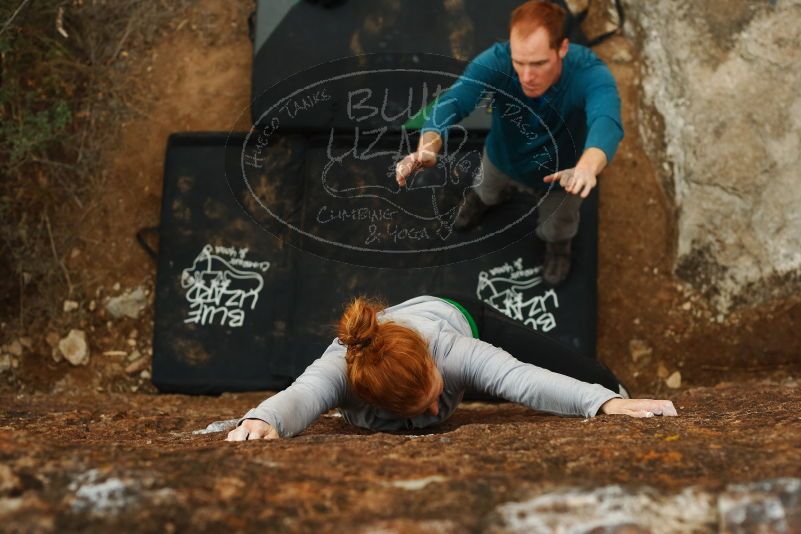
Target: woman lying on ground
408, 366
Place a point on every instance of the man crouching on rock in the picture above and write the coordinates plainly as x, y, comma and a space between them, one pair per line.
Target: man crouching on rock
550, 100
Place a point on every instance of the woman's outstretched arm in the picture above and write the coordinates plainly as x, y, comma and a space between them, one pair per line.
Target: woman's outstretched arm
321, 387
494, 371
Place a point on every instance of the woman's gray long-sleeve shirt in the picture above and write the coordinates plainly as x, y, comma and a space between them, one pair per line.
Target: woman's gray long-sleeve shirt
463, 361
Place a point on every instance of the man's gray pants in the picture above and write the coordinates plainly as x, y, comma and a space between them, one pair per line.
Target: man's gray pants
557, 211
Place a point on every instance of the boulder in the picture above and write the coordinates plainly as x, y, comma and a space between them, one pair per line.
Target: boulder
720, 119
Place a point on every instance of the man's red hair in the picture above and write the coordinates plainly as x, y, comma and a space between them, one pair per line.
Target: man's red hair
534, 14
389, 364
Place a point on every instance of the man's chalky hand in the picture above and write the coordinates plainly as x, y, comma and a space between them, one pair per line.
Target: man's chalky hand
413, 162
575, 180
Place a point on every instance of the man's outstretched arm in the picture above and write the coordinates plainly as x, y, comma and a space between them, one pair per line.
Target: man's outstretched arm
452, 105
604, 132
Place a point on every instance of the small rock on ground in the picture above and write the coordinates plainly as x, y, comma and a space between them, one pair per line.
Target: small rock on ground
74, 348
129, 304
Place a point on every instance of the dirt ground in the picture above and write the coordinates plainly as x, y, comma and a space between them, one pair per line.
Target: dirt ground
75, 460
133, 462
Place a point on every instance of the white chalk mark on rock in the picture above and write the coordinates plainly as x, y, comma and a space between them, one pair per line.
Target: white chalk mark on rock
217, 426
417, 483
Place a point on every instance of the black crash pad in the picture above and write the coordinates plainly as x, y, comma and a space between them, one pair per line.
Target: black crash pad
244, 302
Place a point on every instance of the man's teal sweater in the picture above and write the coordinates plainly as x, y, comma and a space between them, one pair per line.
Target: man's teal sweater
533, 137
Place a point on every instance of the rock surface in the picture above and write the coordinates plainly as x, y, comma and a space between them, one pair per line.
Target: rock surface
772, 505
130, 463
721, 117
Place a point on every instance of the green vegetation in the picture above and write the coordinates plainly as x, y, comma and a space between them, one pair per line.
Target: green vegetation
62, 97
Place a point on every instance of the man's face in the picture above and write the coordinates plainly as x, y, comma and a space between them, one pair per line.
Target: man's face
537, 64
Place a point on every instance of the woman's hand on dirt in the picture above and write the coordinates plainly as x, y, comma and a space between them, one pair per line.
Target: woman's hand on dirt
638, 407
411, 163
252, 429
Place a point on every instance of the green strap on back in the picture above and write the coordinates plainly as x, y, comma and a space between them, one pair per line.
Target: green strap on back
470, 320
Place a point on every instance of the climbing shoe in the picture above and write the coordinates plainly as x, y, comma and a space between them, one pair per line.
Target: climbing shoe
471, 211
556, 266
